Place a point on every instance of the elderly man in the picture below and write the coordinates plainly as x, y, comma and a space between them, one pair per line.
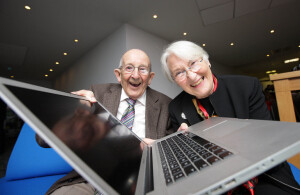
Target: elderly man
151, 118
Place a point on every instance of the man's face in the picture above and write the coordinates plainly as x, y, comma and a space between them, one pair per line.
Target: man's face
134, 83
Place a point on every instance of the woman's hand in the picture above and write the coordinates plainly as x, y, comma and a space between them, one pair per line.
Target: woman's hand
183, 127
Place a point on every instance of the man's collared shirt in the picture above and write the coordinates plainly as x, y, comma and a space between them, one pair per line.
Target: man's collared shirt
140, 112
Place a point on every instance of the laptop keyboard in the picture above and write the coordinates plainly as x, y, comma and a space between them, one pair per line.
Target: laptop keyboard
183, 155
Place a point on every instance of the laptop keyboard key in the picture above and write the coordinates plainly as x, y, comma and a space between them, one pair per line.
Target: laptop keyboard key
213, 159
176, 170
209, 145
206, 155
189, 169
201, 151
186, 163
200, 140
200, 164
225, 154
219, 151
168, 180
178, 176
214, 148
195, 158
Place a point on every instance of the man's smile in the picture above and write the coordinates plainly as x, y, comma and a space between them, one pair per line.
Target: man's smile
134, 84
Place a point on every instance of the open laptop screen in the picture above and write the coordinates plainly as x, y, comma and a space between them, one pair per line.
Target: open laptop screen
92, 133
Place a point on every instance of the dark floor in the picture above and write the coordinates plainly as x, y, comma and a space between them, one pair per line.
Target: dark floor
5, 153
8, 136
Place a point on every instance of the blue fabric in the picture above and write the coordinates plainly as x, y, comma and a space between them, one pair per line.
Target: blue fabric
33, 186
296, 172
29, 160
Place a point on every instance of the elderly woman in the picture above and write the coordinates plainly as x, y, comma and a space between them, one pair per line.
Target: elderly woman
205, 95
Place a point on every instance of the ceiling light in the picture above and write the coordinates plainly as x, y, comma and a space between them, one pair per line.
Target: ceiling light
298, 45
268, 55
268, 72
56, 62
27, 7
291, 60
46, 75
76, 40
65, 54
155, 16
12, 76
273, 71
184, 34
203, 44
231, 44
272, 31
50, 70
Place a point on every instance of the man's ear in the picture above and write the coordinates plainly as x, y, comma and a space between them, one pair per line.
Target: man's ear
151, 75
118, 74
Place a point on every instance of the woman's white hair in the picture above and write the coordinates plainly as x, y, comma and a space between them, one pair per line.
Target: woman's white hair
183, 49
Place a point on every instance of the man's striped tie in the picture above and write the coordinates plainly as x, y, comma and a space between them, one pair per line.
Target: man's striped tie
128, 117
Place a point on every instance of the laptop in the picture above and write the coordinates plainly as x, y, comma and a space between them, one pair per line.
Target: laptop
213, 157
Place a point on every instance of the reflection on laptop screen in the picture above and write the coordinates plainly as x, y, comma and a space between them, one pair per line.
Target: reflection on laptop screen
105, 145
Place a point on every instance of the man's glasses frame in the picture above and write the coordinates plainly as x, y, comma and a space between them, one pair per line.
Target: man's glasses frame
143, 70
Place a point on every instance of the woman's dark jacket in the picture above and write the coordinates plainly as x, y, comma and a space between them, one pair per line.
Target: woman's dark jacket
235, 97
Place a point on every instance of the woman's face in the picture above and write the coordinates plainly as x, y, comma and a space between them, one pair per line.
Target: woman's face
193, 76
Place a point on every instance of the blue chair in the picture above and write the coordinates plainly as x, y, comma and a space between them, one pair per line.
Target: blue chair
296, 172
32, 169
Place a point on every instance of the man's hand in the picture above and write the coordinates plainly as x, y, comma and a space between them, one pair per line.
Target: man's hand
86, 93
183, 127
148, 141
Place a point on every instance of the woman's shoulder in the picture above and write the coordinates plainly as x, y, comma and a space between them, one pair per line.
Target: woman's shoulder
181, 97
237, 79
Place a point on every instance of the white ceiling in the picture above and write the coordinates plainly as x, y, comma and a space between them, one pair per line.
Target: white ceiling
32, 41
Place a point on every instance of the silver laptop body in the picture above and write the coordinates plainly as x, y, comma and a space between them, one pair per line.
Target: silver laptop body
116, 161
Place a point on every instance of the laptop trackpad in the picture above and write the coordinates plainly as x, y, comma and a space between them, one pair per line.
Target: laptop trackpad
220, 129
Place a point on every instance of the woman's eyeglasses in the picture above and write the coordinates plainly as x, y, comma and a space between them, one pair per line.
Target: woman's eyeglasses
194, 66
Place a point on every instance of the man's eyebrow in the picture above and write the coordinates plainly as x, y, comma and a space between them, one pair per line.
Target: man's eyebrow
144, 65
128, 64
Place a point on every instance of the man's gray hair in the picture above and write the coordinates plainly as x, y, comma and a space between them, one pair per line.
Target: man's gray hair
185, 50
121, 63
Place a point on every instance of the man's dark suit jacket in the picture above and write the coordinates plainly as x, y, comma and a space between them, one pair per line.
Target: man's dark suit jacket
157, 119
157, 116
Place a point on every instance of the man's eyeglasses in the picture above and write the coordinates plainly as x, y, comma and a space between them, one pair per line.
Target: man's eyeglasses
130, 68
194, 66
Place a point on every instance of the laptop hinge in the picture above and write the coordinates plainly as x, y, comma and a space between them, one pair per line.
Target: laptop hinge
149, 186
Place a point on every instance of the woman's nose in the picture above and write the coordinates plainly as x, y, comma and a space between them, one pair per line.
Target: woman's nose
190, 74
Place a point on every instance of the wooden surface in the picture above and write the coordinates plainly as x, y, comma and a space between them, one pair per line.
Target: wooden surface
284, 84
